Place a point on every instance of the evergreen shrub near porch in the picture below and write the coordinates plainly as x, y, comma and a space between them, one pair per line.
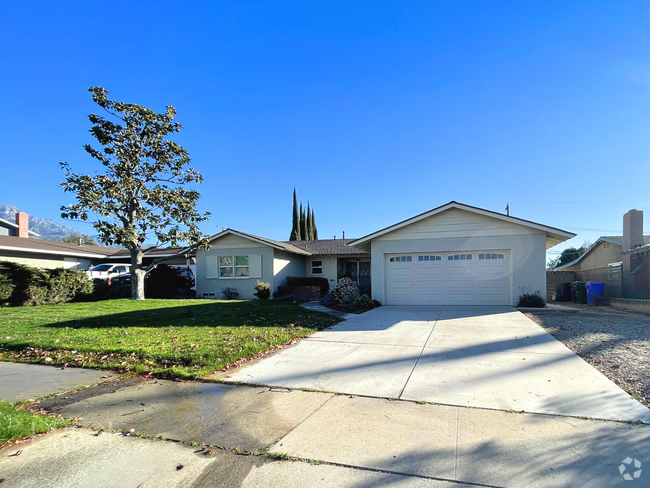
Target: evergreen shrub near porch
309, 281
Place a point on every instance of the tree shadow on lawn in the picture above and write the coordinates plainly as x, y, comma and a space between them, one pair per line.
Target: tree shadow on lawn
186, 314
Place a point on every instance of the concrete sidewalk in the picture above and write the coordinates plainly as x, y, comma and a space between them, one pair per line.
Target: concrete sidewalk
397, 440
488, 357
20, 381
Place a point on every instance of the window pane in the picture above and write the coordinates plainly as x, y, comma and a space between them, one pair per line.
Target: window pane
456, 258
241, 260
462, 256
421, 258
500, 256
225, 260
409, 258
241, 271
317, 263
469, 256
494, 256
481, 256
450, 258
317, 271
225, 272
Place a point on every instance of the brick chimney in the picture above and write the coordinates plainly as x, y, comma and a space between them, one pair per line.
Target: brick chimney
22, 220
632, 229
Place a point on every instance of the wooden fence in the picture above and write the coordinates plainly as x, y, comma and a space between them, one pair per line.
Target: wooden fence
612, 276
554, 278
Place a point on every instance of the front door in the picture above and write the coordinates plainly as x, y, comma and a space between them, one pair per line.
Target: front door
359, 271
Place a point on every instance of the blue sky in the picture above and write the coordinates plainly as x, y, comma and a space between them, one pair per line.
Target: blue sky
375, 111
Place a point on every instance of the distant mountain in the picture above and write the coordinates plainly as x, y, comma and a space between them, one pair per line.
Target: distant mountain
48, 229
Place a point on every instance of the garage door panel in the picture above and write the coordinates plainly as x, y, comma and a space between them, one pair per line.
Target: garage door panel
449, 282
492, 285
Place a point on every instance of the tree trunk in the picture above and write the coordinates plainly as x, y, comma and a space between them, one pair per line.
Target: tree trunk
137, 275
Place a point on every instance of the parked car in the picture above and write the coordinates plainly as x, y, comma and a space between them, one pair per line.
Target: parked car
108, 271
185, 273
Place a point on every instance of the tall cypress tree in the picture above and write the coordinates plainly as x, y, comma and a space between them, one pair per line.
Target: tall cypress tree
303, 224
295, 222
309, 233
314, 229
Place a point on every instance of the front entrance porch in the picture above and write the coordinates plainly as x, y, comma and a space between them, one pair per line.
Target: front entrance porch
357, 269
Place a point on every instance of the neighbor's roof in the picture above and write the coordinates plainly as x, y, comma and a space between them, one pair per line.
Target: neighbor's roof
611, 239
4, 222
39, 246
159, 252
331, 247
554, 235
282, 246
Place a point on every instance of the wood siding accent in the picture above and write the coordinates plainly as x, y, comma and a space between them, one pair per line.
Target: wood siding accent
455, 223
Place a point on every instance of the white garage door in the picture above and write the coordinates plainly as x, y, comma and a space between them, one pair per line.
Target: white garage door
449, 278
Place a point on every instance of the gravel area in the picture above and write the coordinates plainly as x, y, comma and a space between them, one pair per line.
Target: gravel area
615, 343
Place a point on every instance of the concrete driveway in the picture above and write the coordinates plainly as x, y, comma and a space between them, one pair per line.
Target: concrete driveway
490, 357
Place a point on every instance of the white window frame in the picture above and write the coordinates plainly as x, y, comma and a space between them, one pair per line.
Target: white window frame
234, 267
318, 267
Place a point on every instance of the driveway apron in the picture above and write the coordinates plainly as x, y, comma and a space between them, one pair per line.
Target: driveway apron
489, 357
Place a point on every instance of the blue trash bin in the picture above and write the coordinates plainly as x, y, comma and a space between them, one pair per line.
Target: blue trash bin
594, 291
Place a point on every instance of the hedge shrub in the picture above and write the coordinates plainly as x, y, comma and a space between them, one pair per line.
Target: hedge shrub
23, 285
309, 281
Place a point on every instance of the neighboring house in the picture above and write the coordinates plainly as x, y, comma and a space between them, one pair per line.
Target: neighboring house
606, 251
454, 254
51, 254
18, 229
39, 253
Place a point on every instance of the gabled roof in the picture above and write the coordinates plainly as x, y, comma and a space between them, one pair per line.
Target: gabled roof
328, 247
282, 246
4, 223
554, 235
617, 240
39, 246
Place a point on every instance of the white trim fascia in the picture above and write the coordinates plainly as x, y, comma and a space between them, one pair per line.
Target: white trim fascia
230, 231
460, 206
58, 253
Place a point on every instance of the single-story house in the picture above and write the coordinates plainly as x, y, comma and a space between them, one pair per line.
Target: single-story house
40, 253
18, 245
239, 260
606, 251
455, 254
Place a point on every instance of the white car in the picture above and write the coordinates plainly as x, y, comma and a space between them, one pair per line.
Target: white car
108, 271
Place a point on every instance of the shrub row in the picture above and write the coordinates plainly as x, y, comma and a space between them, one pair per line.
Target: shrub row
309, 281
22, 285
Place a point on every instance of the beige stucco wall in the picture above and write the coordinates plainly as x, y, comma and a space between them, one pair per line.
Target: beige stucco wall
46, 261
603, 254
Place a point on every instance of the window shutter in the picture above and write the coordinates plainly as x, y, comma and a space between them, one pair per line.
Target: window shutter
255, 265
211, 267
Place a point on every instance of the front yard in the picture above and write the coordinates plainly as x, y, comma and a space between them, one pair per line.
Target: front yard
615, 343
182, 338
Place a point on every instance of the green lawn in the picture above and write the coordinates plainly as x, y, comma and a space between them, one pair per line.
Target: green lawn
17, 424
186, 338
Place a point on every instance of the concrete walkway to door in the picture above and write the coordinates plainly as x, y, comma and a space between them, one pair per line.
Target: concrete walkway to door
490, 357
